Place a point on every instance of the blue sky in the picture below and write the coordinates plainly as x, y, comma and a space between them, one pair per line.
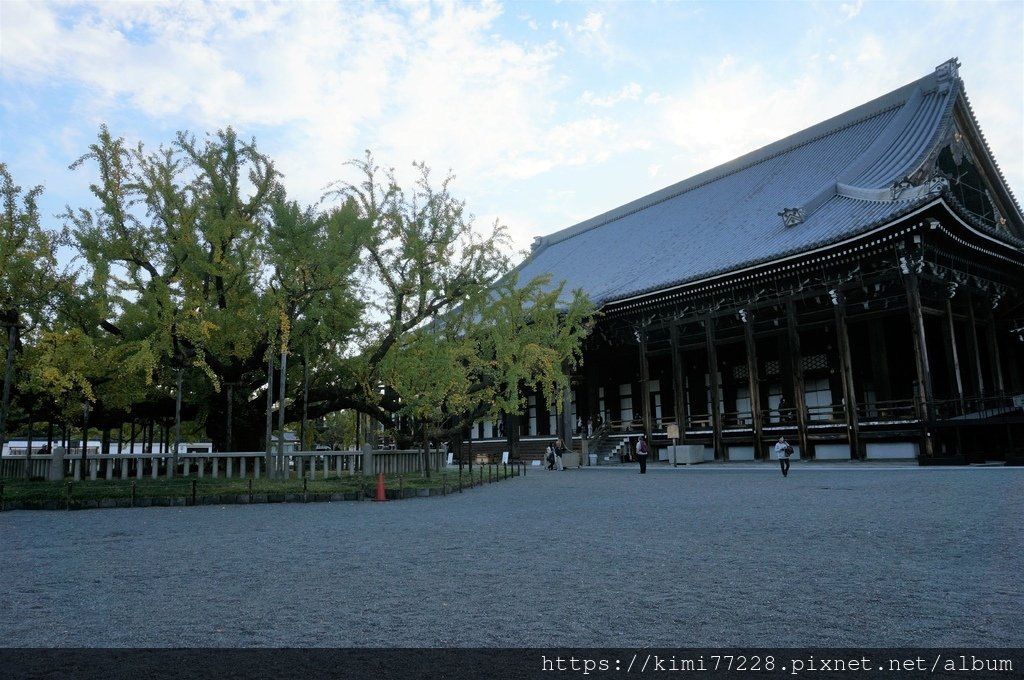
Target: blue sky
547, 112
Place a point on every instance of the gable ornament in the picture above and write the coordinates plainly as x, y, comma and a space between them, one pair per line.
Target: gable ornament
899, 186
792, 216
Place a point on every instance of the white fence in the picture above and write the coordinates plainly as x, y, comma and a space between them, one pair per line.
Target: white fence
311, 464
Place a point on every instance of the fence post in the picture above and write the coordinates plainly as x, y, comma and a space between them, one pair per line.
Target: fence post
367, 460
56, 473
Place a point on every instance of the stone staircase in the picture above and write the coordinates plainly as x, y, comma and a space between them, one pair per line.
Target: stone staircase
609, 449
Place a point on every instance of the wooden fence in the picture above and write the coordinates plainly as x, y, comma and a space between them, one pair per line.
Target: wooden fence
311, 464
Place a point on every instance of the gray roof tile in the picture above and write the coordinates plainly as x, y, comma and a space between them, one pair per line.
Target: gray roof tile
728, 217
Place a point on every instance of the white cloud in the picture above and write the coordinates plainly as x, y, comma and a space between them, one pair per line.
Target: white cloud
553, 106
630, 92
592, 23
851, 9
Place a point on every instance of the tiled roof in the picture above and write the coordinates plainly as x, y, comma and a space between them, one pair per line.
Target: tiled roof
836, 176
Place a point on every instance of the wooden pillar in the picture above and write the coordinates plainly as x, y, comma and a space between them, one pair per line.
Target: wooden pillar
716, 406
754, 383
973, 350
954, 355
590, 368
924, 377
846, 369
995, 363
568, 426
879, 361
799, 394
645, 385
678, 384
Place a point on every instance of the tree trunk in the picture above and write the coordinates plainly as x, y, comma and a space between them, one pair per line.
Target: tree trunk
426, 454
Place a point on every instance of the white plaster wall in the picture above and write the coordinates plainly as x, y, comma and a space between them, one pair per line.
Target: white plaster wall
892, 450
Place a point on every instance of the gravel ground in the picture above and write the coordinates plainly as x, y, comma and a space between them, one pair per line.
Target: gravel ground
835, 555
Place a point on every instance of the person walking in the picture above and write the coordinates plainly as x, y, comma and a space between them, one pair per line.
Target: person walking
783, 451
641, 453
559, 450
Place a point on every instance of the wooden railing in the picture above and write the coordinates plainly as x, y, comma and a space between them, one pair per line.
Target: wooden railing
311, 464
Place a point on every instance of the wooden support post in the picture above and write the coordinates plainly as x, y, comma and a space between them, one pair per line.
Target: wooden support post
996, 366
754, 383
879, 362
954, 354
799, 394
716, 406
924, 376
846, 368
592, 394
678, 384
645, 386
977, 374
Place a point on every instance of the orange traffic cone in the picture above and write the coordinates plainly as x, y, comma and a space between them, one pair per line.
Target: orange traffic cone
381, 495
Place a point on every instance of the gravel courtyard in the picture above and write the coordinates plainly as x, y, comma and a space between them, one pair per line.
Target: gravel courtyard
850, 555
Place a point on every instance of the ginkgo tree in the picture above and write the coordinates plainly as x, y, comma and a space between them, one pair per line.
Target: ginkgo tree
196, 267
479, 360
31, 283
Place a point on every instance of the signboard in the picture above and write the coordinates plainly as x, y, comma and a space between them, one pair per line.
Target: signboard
672, 430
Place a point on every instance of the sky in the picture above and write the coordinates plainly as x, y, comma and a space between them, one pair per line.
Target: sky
547, 113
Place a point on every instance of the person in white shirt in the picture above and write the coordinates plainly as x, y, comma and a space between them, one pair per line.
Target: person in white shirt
641, 453
783, 451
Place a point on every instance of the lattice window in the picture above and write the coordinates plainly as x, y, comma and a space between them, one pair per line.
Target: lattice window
815, 362
772, 367
740, 372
